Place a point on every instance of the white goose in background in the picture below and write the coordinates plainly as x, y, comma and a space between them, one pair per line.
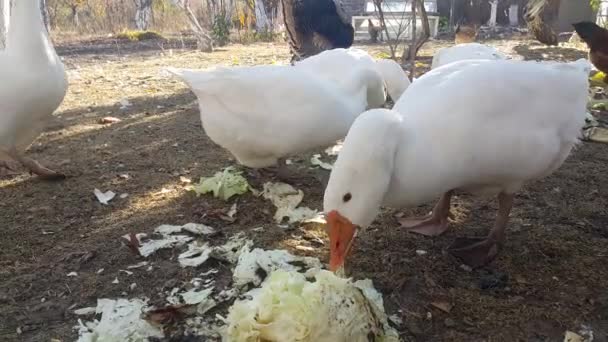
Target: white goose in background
336, 64
33, 85
262, 114
465, 51
456, 129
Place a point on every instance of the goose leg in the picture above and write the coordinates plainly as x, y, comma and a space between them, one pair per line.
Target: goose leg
433, 224
36, 168
8, 168
283, 173
477, 252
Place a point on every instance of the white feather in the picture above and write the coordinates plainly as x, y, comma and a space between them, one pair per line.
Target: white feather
458, 128
263, 113
463, 52
33, 79
337, 64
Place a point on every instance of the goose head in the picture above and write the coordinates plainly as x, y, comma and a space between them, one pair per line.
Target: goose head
360, 179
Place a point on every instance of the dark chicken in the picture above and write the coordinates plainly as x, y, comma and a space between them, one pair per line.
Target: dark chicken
314, 26
596, 38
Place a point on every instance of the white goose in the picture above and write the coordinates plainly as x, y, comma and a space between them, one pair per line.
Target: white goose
479, 136
335, 65
465, 51
33, 85
262, 114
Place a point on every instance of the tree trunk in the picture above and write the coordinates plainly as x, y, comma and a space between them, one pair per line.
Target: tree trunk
493, 12
75, 17
204, 40
417, 42
5, 7
261, 22
143, 14
45, 15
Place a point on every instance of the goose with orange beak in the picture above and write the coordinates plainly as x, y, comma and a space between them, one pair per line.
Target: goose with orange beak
477, 137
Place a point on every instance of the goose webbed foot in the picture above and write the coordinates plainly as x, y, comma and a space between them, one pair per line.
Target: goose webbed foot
434, 224
477, 252
36, 168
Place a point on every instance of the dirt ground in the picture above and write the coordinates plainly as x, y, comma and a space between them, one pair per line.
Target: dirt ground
551, 276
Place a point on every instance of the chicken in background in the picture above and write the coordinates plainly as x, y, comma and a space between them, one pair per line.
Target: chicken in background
596, 38
538, 14
374, 31
465, 33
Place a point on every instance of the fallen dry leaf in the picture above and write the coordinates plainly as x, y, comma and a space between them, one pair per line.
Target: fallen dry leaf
443, 306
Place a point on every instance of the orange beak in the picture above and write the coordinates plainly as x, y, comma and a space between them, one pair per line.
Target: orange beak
341, 237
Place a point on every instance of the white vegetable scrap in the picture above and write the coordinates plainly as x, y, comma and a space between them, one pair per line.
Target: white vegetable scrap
289, 308
287, 199
104, 197
232, 249
195, 255
120, 321
250, 262
201, 298
316, 161
168, 239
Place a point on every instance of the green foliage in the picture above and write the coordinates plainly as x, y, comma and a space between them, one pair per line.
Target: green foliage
595, 4
266, 36
220, 30
135, 36
444, 22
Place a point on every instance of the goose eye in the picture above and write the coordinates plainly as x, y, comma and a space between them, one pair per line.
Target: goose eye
347, 197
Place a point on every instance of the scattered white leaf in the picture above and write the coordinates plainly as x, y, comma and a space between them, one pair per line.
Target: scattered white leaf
126, 272
316, 161
99, 271
124, 103
168, 239
85, 311
286, 199
133, 286
232, 249
115, 281
334, 150
138, 265
195, 255
123, 196
395, 319
120, 321
185, 180
104, 197
194, 228
232, 211
211, 271
72, 274
421, 252
250, 262
201, 298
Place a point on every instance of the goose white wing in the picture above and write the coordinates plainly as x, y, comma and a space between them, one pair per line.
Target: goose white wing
264, 112
336, 63
465, 51
483, 132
